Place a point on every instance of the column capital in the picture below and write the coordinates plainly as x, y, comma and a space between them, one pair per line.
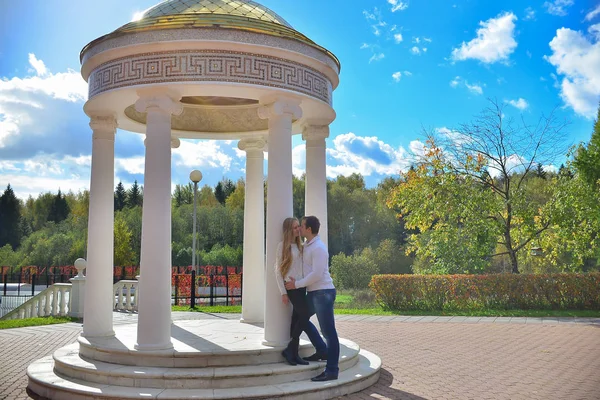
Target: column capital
103, 127
161, 101
103, 123
315, 132
249, 144
281, 107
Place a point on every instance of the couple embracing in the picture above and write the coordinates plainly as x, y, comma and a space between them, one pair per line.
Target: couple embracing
302, 274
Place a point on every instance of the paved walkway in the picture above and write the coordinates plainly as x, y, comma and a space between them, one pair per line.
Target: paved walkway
423, 357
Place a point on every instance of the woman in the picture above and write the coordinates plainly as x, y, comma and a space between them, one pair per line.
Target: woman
289, 264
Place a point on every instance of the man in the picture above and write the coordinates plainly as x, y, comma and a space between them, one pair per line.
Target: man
320, 295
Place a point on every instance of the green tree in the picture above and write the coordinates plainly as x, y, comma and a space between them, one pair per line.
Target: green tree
184, 194
587, 158
453, 168
220, 193
123, 253
298, 193
10, 218
206, 197
237, 198
59, 210
134, 195
120, 197
539, 171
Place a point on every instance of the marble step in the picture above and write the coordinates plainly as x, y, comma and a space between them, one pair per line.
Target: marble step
44, 382
195, 344
69, 364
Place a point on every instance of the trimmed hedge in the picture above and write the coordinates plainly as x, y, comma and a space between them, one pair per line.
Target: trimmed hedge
497, 292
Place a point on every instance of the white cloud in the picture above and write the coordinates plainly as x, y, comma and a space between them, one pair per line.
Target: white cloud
577, 58
494, 42
520, 103
415, 50
202, 153
398, 37
398, 5
473, 87
376, 21
365, 46
365, 155
558, 7
38, 65
407, 73
529, 14
299, 160
417, 148
131, 165
376, 57
589, 16
397, 76
29, 106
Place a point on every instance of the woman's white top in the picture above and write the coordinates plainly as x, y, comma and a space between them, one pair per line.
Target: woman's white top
296, 269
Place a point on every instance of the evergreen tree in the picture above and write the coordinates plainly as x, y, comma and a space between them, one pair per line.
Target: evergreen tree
587, 159
10, 219
228, 187
120, 197
134, 196
59, 210
220, 193
539, 171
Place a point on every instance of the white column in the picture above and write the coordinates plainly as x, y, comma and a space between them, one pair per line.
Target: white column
315, 191
97, 315
154, 309
279, 207
253, 283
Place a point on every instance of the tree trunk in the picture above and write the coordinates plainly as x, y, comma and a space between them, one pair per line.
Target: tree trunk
514, 262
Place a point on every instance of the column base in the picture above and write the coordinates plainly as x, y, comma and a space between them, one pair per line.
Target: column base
275, 344
153, 347
107, 334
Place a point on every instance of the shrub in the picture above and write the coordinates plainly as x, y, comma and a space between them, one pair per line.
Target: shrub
498, 291
355, 271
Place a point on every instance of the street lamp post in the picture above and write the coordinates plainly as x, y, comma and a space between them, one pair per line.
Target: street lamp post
195, 176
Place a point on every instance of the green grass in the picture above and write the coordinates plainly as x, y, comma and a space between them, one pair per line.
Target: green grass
362, 302
20, 323
210, 309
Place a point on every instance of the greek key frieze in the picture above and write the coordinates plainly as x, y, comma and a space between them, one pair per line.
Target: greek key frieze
200, 66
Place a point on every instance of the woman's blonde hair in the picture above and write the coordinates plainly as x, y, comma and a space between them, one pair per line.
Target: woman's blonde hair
288, 241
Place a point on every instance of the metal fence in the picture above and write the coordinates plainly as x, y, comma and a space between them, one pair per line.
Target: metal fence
207, 289
188, 289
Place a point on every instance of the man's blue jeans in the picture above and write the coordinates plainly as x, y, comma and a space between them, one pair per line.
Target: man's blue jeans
320, 302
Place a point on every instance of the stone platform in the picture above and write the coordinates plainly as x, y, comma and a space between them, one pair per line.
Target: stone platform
211, 359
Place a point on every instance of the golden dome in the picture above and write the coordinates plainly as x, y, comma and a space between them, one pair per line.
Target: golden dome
224, 14
242, 8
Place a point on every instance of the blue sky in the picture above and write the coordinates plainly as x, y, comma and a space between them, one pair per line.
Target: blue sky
406, 65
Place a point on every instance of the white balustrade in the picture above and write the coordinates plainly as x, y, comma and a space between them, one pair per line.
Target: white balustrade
125, 293
52, 301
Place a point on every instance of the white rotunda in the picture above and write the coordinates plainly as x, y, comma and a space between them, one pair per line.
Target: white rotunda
201, 69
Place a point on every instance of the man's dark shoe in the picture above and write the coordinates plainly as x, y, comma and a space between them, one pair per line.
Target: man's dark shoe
324, 376
289, 357
317, 357
301, 361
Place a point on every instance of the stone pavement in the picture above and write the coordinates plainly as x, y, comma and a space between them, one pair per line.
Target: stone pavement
423, 357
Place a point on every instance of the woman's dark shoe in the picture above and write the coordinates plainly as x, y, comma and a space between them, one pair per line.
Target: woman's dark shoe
289, 356
317, 357
301, 361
